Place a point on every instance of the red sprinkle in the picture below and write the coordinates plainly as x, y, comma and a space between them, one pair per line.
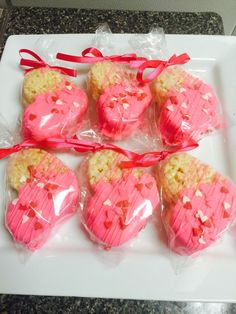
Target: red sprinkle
107, 224
207, 223
33, 204
38, 225
188, 205
23, 207
226, 214
122, 225
54, 98
111, 105
54, 110
139, 186
124, 203
149, 185
49, 196
224, 190
32, 116
197, 232
122, 95
141, 97
31, 213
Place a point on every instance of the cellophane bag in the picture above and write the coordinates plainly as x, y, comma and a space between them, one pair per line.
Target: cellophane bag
41, 193
54, 105
121, 105
117, 203
198, 203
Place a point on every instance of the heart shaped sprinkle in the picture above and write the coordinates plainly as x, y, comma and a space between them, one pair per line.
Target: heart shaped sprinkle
201, 240
107, 203
226, 205
32, 117
108, 224
186, 199
198, 193
59, 102
224, 190
170, 108
38, 225
25, 218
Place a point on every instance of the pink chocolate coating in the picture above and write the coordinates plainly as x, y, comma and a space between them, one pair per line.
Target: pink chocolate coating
43, 202
57, 114
200, 216
189, 114
117, 211
121, 108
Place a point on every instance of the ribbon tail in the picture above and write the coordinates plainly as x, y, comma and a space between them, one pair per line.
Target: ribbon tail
4, 152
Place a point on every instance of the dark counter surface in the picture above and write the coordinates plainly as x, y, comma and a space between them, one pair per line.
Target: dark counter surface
51, 20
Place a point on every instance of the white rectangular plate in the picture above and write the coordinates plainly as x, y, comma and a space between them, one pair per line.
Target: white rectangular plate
69, 264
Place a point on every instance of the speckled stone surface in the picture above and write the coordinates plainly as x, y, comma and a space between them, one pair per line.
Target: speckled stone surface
51, 20
59, 305
37, 21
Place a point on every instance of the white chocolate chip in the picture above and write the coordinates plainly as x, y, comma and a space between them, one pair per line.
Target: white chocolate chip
41, 185
170, 108
186, 199
125, 105
69, 87
24, 219
75, 104
205, 110
23, 179
107, 203
184, 105
198, 193
182, 90
201, 240
59, 102
226, 205
14, 202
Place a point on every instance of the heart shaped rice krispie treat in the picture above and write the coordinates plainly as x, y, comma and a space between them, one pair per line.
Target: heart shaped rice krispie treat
121, 201
48, 193
198, 203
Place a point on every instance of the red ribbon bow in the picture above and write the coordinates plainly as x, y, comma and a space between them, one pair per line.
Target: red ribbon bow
40, 63
97, 56
157, 65
135, 160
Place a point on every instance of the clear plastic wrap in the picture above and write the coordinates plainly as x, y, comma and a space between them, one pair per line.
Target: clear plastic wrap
121, 101
54, 106
41, 193
198, 203
117, 203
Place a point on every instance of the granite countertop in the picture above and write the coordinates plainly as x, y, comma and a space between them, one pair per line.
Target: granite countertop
50, 20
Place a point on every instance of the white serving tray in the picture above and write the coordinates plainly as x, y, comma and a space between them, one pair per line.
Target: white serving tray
69, 264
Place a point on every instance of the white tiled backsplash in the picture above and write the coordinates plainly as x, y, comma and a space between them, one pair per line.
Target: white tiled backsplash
226, 8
